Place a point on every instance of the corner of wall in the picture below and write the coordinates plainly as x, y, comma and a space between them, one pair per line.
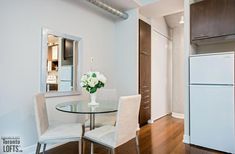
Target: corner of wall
187, 49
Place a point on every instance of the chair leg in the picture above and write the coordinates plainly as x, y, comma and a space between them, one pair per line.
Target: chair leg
44, 148
137, 143
38, 148
80, 146
83, 146
112, 151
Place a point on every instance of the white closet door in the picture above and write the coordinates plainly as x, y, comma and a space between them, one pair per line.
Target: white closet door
160, 104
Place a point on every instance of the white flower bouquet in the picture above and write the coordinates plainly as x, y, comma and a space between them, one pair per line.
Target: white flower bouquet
92, 81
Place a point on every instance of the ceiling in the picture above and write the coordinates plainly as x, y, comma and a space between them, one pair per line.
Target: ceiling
173, 19
162, 8
148, 8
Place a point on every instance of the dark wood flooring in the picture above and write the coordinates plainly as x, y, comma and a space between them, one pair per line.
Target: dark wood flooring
164, 136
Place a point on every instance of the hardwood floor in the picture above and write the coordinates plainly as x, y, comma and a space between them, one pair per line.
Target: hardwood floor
162, 137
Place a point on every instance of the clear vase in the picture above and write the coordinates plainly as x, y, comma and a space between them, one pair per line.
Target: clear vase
93, 99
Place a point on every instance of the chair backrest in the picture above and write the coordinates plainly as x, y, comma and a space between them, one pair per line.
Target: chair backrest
107, 95
127, 118
41, 114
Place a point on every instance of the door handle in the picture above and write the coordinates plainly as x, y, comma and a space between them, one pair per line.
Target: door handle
145, 53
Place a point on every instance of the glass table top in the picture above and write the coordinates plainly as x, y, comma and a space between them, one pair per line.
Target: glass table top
82, 107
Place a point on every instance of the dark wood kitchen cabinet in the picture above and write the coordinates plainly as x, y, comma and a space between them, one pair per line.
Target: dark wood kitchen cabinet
144, 72
211, 19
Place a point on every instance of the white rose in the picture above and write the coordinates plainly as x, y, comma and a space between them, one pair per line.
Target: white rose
97, 74
92, 81
102, 78
82, 84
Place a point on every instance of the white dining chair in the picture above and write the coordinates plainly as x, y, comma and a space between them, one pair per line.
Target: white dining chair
125, 128
52, 134
108, 118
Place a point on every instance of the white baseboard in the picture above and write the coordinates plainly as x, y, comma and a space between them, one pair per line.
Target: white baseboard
186, 139
32, 149
177, 115
150, 121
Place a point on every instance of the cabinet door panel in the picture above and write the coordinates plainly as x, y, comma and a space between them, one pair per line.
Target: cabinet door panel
212, 18
144, 71
222, 17
199, 16
144, 38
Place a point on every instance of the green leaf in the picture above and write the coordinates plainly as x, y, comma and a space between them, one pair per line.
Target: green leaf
93, 75
93, 90
98, 85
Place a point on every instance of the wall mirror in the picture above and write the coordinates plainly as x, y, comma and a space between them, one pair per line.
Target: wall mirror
60, 65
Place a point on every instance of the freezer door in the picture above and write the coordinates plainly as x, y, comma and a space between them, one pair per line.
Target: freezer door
212, 117
212, 69
66, 72
65, 86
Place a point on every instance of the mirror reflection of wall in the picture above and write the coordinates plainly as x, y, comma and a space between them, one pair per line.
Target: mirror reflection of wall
61, 64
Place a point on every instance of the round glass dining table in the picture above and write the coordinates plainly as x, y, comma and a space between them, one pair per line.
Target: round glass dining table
82, 107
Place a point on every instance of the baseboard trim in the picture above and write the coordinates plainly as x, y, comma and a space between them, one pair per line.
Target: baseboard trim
186, 139
32, 148
150, 121
177, 115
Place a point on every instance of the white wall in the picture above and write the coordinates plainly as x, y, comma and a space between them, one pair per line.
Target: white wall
21, 23
126, 57
178, 90
161, 26
187, 50
218, 47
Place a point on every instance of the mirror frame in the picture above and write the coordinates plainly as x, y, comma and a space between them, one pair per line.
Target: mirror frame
44, 56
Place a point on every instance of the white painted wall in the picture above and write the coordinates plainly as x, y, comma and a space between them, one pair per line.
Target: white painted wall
126, 57
218, 47
178, 90
21, 23
160, 25
187, 50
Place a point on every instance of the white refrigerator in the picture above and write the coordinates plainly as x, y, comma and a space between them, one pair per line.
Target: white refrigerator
66, 78
212, 119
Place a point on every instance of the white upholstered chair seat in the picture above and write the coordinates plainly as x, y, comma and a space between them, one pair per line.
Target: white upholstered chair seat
60, 133
104, 135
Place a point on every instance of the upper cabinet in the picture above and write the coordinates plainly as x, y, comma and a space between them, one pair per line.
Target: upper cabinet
212, 20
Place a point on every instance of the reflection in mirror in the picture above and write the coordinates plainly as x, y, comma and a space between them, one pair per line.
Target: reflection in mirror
60, 70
